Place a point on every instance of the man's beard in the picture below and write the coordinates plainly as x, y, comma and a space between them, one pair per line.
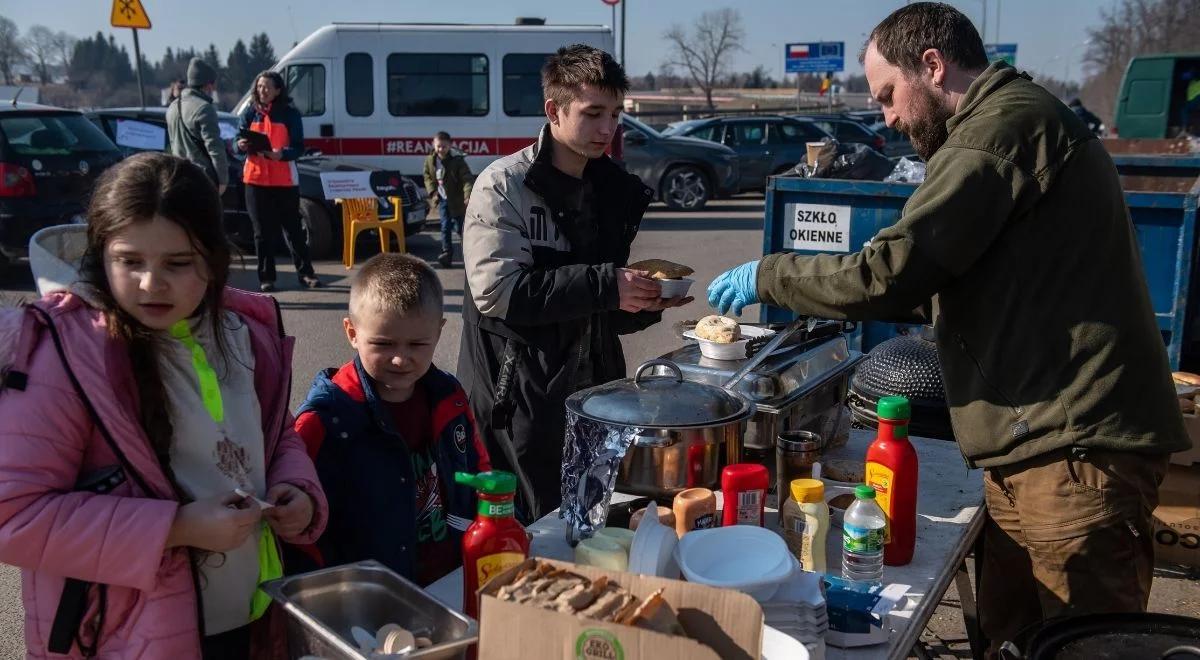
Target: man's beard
927, 131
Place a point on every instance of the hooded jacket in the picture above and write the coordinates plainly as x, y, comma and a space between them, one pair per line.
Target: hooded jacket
76, 417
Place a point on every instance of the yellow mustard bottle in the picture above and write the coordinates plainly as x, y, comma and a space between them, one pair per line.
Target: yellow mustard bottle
806, 523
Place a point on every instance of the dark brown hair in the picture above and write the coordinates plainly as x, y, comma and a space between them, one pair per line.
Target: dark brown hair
275, 77
572, 66
392, 283
442, 135
908, 32
141, 188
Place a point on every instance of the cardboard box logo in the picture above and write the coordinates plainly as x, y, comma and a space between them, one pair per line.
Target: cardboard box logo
596, 644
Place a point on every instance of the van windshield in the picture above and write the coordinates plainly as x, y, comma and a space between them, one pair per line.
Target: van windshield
53, 135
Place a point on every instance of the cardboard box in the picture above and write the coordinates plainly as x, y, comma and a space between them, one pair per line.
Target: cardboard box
1189, 456
721, 624
1177, 518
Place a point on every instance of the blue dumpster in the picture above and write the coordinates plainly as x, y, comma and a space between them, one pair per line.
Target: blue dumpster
1161, 192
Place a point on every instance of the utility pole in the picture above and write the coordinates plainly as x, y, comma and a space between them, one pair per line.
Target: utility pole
623, 33
984, 26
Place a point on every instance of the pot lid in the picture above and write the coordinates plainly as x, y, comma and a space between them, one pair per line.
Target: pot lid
659, 401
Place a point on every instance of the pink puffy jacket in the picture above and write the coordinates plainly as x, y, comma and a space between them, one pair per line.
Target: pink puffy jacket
48, 440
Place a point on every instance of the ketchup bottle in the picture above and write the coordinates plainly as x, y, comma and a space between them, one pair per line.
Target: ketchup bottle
495, 542
744, 489
892, 471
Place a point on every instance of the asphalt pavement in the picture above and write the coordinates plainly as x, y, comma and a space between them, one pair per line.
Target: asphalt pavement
725, 234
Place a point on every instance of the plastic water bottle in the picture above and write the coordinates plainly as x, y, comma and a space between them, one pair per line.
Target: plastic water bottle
862, 538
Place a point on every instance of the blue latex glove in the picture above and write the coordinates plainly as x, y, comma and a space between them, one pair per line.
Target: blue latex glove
735, 289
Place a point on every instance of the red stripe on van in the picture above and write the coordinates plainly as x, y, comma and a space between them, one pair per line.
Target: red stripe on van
415, 146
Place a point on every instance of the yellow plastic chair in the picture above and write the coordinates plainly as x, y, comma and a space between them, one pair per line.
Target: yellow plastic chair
361, 214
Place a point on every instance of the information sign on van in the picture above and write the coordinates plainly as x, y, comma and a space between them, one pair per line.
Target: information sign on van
817, 227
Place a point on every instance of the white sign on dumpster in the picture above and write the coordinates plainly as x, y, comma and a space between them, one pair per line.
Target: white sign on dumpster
817, 227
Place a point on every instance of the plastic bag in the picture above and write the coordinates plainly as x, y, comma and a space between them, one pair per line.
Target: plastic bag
849, 161
907, 171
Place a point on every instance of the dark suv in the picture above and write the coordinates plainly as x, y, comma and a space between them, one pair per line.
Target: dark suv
145, 129
765, 145
49, 159
684, 172
847, 130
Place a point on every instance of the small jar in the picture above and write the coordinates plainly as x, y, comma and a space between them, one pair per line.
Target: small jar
695, 508
795, 453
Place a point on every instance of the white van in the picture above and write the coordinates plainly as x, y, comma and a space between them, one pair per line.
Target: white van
376, 93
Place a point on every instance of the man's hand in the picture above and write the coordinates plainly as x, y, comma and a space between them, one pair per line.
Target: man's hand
637, 290
734, 289
293, 510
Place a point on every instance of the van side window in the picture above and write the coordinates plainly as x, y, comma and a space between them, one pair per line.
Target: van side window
360, 85
437, 85
523, 84
306, 86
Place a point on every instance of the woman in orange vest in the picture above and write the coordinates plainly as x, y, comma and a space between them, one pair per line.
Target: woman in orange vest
272, 184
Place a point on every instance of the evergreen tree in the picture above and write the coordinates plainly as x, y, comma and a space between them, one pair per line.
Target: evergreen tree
262, 55
238, 67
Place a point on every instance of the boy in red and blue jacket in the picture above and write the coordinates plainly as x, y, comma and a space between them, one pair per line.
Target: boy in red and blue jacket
388, 430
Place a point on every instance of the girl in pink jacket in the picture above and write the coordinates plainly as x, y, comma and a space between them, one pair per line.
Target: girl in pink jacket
143, 392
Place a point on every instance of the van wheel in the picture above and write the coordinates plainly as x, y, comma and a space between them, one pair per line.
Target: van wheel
319, 229
685, 188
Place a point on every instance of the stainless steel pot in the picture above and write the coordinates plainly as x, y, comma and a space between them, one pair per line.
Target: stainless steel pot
681, 427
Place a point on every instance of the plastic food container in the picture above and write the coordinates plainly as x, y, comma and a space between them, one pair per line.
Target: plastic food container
750, 559
735, 350
676, 288
653, 549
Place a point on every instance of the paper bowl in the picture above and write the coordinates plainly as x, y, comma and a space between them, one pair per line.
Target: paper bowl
676, 288
733, 350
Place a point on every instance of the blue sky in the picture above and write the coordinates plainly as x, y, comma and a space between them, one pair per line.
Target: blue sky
1049, 32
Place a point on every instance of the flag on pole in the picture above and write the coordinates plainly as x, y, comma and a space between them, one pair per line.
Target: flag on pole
826, 83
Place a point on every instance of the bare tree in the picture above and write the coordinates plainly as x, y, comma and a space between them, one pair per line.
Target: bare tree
704, 52
12, 51
1131, 28
40, 47
64, 47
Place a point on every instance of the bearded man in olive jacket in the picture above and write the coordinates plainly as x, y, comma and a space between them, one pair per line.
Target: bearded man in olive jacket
1019, 246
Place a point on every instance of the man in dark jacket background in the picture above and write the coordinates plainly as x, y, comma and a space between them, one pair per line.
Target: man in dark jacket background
448, 183
1054, 369
192, 128
547, 237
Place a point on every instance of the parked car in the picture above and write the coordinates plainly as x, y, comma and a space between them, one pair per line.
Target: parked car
145, 129
847, 130
685, 172
865, 117
765, 145
49, 159
896, 144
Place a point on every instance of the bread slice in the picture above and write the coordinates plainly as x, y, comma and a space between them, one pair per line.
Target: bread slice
661, 269
718, 329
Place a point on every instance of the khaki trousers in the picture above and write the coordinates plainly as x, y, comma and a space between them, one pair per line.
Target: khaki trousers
1068, 533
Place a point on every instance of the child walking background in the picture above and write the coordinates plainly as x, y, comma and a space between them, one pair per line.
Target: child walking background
388, 430
159, 390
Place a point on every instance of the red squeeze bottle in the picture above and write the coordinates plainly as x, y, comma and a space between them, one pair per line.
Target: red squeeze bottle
495, 542
744, 491
892, 471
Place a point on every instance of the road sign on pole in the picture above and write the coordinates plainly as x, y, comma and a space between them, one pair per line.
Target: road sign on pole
131, 14
1006, 52
815, 57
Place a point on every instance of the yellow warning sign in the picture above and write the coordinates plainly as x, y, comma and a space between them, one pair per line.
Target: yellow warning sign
130, 14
